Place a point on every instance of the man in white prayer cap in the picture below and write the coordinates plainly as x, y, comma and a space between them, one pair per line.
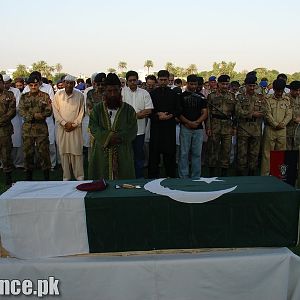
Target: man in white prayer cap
68, 108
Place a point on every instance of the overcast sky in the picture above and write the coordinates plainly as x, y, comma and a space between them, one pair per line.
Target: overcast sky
89, 36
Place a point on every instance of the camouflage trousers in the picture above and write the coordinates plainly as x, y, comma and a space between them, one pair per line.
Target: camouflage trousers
5, 153
247, 152
218, 150
42, 145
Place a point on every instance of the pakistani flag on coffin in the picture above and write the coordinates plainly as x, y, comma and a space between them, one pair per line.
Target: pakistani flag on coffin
181, 214
52, 218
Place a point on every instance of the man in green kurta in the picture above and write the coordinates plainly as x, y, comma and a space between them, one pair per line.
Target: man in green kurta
114, 127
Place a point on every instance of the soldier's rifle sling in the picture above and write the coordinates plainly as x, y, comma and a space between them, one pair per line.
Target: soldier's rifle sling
228, 118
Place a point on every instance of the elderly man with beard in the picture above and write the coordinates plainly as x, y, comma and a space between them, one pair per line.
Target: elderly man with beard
113, 125
68, 108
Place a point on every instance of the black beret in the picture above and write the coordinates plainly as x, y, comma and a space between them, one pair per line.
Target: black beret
192, 78
112, 79
200, 80
33, 79
251, 79
279, 84
251, 73
224, 78
295, 85
100, 77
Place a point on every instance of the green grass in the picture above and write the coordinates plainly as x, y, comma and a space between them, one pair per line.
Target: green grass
56, 175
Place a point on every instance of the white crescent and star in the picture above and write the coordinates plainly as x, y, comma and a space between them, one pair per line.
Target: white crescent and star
155, 186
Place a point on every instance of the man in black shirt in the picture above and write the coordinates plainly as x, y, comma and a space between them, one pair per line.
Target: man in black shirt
194, 112
163, 127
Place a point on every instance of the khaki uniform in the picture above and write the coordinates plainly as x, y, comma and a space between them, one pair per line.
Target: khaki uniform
292, 125
221, 125
35, 132
276, 111
7, 113
249, 133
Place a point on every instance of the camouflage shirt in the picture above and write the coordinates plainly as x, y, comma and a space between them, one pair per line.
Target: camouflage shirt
245, 106
221, 110
7, 112
93, 97
29, 105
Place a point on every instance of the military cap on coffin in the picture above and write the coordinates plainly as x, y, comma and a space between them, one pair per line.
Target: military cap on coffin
98, 185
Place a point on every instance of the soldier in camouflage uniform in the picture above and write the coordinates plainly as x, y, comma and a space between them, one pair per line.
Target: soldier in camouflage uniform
95, 95
7, 113
249, 114
295, 122
278, 114
220, 126
35, 107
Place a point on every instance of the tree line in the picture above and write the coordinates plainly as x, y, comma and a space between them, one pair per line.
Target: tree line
218, 68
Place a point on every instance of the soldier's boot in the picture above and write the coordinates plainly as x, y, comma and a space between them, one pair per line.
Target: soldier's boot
224, 172
212, 172
8, 179
28, 175
46, 175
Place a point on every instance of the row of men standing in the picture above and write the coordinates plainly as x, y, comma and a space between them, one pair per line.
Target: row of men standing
226, 114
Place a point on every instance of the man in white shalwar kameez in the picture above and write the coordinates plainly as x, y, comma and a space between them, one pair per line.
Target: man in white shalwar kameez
68, 108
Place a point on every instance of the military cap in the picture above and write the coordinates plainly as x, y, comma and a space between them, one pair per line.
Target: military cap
279, 84
251, 73
192, 78
251, 79
200, 80
6, 78
33, 79
100, 77
295, 85
224, 78
112, 79
97, 185
212, 78
263, 83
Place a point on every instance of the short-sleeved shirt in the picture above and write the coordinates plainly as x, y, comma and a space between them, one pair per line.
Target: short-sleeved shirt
192, 105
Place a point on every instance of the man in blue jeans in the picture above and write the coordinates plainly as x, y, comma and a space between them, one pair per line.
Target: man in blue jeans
194, 112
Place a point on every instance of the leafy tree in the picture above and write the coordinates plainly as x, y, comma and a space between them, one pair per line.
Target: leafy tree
58, 67
224, 68
148, 64
44, 68
111, 70
57, 76
122, 66
191, 69
21, 71
2, 72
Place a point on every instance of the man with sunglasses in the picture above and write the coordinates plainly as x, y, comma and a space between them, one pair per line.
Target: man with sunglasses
249, 113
